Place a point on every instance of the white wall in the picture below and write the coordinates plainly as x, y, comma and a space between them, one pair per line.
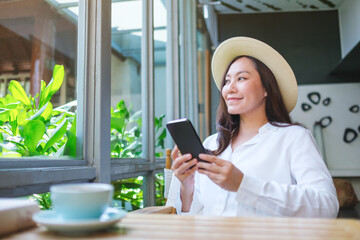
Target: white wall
160, 91
343, 159
349, 20
125, 77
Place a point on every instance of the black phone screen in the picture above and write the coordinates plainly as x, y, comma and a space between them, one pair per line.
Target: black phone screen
185, 137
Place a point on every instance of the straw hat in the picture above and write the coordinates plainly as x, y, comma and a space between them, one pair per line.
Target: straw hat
238, 46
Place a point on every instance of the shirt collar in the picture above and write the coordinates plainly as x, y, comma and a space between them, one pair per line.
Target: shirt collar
267, 127
263, 129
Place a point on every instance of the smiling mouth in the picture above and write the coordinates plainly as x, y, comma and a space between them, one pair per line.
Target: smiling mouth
234, 99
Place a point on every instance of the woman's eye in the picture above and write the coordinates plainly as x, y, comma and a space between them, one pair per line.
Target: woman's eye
241, 78
227, 81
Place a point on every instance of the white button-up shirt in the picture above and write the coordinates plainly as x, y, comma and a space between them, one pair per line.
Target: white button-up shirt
284, 175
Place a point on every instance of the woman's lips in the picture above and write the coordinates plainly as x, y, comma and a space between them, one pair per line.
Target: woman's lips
234, 99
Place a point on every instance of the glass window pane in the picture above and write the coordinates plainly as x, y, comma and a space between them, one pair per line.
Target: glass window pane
126, 24
159, 189
128, 193
38, 40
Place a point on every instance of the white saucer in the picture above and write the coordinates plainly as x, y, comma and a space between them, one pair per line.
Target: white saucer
55, 223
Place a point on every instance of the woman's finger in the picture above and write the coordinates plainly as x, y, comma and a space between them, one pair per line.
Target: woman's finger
180, 160
175, 152
209, 167
211, 158
189, 171
186, 166
213, 176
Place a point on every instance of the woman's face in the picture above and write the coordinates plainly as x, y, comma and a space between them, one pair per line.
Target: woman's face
243, 91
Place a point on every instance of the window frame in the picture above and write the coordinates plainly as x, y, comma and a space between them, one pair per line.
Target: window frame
25, 176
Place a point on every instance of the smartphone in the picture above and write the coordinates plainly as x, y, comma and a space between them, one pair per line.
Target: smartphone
185, 137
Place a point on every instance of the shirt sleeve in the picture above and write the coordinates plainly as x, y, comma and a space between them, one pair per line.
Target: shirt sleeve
174, 198
312, 195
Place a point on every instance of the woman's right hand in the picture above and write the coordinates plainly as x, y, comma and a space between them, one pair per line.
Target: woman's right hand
183, 167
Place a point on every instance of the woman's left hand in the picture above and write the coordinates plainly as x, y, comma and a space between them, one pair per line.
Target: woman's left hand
221, 172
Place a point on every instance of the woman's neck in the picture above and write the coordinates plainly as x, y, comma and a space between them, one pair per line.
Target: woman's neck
249, 127
251, 124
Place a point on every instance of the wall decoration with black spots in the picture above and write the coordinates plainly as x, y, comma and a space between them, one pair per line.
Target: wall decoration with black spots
336, 108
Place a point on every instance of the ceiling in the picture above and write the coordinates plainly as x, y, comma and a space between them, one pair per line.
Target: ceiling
255, 6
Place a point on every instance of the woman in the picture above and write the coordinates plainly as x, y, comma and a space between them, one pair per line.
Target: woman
262, 164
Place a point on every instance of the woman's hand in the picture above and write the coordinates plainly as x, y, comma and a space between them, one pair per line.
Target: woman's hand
183, 167
221, 172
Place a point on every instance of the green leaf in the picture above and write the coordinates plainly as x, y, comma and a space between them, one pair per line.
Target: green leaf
66, 107
13, 121
18, 92
124, 111
53, 86
58, 133
48, 111
45, 112
33, 132
5, 115
118, 124
60, 152
22, 117
70, 148
121, 105
162, 135
43, 85
21, 129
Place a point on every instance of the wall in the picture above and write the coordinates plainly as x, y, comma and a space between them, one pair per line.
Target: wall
125, 82
309, 41
342, 158
160, 91
349, 19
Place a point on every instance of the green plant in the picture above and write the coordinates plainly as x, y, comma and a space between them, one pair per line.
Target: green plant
126, 141
130, 191
159, 186
43, 200
126, 137
30, 126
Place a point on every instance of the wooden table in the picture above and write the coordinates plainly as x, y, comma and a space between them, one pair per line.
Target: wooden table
158, 226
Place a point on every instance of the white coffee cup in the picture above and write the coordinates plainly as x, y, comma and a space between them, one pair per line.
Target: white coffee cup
81, 200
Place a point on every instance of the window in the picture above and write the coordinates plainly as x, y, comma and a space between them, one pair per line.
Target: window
37, 35
128, 58
35, 38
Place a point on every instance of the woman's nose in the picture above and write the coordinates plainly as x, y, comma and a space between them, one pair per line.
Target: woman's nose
232, 86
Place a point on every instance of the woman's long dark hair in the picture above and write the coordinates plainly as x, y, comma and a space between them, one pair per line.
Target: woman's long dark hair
228, 125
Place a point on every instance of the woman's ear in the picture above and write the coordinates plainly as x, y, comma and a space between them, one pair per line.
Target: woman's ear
265, 94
